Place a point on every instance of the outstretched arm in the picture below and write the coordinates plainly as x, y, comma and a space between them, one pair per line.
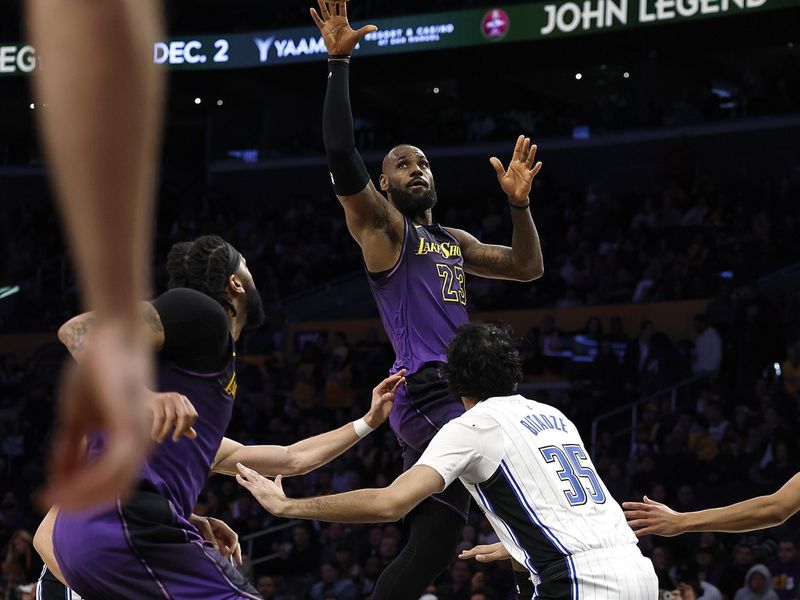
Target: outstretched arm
372, 221
387, 504
654, 518
309, 454
523, 260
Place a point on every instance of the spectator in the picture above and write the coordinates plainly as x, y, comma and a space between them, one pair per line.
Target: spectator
333, 585
22, 564
637, 352
707, 355
758, 585
266, 587
733, 577
458, 587
701, 444
482, 593
717, 423
786, 570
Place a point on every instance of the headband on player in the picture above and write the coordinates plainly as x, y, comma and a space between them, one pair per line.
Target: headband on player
233, 259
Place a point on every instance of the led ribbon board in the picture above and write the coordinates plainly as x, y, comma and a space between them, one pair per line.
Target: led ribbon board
523, 22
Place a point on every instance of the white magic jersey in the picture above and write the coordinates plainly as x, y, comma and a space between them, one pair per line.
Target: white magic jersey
526, 466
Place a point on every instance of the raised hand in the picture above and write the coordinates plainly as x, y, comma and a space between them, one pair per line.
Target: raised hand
340, 38
652, 518
486, 553
383, 399
518, 179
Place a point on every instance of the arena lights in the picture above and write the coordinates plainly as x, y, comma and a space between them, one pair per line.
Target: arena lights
436, 90
578, 76
626, 75
220, 103
33, 106
198, 100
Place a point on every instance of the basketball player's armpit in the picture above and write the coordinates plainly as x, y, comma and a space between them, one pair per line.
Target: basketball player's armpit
348, 171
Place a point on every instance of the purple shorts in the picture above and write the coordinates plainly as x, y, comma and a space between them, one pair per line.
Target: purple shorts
420, 410
142, 549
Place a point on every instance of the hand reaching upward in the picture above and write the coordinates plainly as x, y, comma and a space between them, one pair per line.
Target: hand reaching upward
518, 179
340, 38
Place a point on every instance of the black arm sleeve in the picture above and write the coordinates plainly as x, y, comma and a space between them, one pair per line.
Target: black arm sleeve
348, 172
196, 330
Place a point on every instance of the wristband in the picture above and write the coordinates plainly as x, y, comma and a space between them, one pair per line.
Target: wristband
344, 57
514, 206
362, 429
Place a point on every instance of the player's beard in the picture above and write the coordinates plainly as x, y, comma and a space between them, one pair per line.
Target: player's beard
413, 205
255, 307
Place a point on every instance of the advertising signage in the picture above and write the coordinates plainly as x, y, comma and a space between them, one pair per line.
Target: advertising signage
492, 25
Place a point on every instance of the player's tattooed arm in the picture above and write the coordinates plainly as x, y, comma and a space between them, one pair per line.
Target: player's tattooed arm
522, 261
76, 333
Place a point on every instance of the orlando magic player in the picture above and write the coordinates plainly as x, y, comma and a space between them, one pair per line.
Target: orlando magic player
417, 274
149, 546
525, 465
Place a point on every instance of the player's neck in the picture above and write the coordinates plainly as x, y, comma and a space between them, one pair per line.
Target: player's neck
469, 402
236, 323
424, 218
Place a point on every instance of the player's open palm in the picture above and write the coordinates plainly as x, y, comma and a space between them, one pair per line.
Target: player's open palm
652, 518
340, 38
269, 494
517, 180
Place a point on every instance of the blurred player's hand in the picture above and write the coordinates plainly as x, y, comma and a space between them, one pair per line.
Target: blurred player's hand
221, 535
518, 179
104, 392
269, 494
653, 518
486, 553
171, 410
383, 399
340, 39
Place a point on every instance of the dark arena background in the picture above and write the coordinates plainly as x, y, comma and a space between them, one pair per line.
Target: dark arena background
667, 322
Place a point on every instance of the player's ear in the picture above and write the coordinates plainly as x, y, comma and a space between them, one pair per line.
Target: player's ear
384, 183
235, 285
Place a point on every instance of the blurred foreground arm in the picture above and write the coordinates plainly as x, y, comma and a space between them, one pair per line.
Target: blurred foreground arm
100, 132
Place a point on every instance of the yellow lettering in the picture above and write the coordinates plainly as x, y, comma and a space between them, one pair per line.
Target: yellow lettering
232, 386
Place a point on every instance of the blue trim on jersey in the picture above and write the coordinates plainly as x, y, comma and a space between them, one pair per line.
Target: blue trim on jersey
488, 505
544, 529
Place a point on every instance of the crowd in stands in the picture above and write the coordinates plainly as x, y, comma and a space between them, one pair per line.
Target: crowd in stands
733, 435
602, 247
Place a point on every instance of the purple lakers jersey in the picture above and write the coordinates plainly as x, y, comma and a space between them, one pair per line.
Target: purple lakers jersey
422, 300
178, 470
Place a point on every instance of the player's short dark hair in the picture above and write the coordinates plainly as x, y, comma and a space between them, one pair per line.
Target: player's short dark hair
201, 265
482, 362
